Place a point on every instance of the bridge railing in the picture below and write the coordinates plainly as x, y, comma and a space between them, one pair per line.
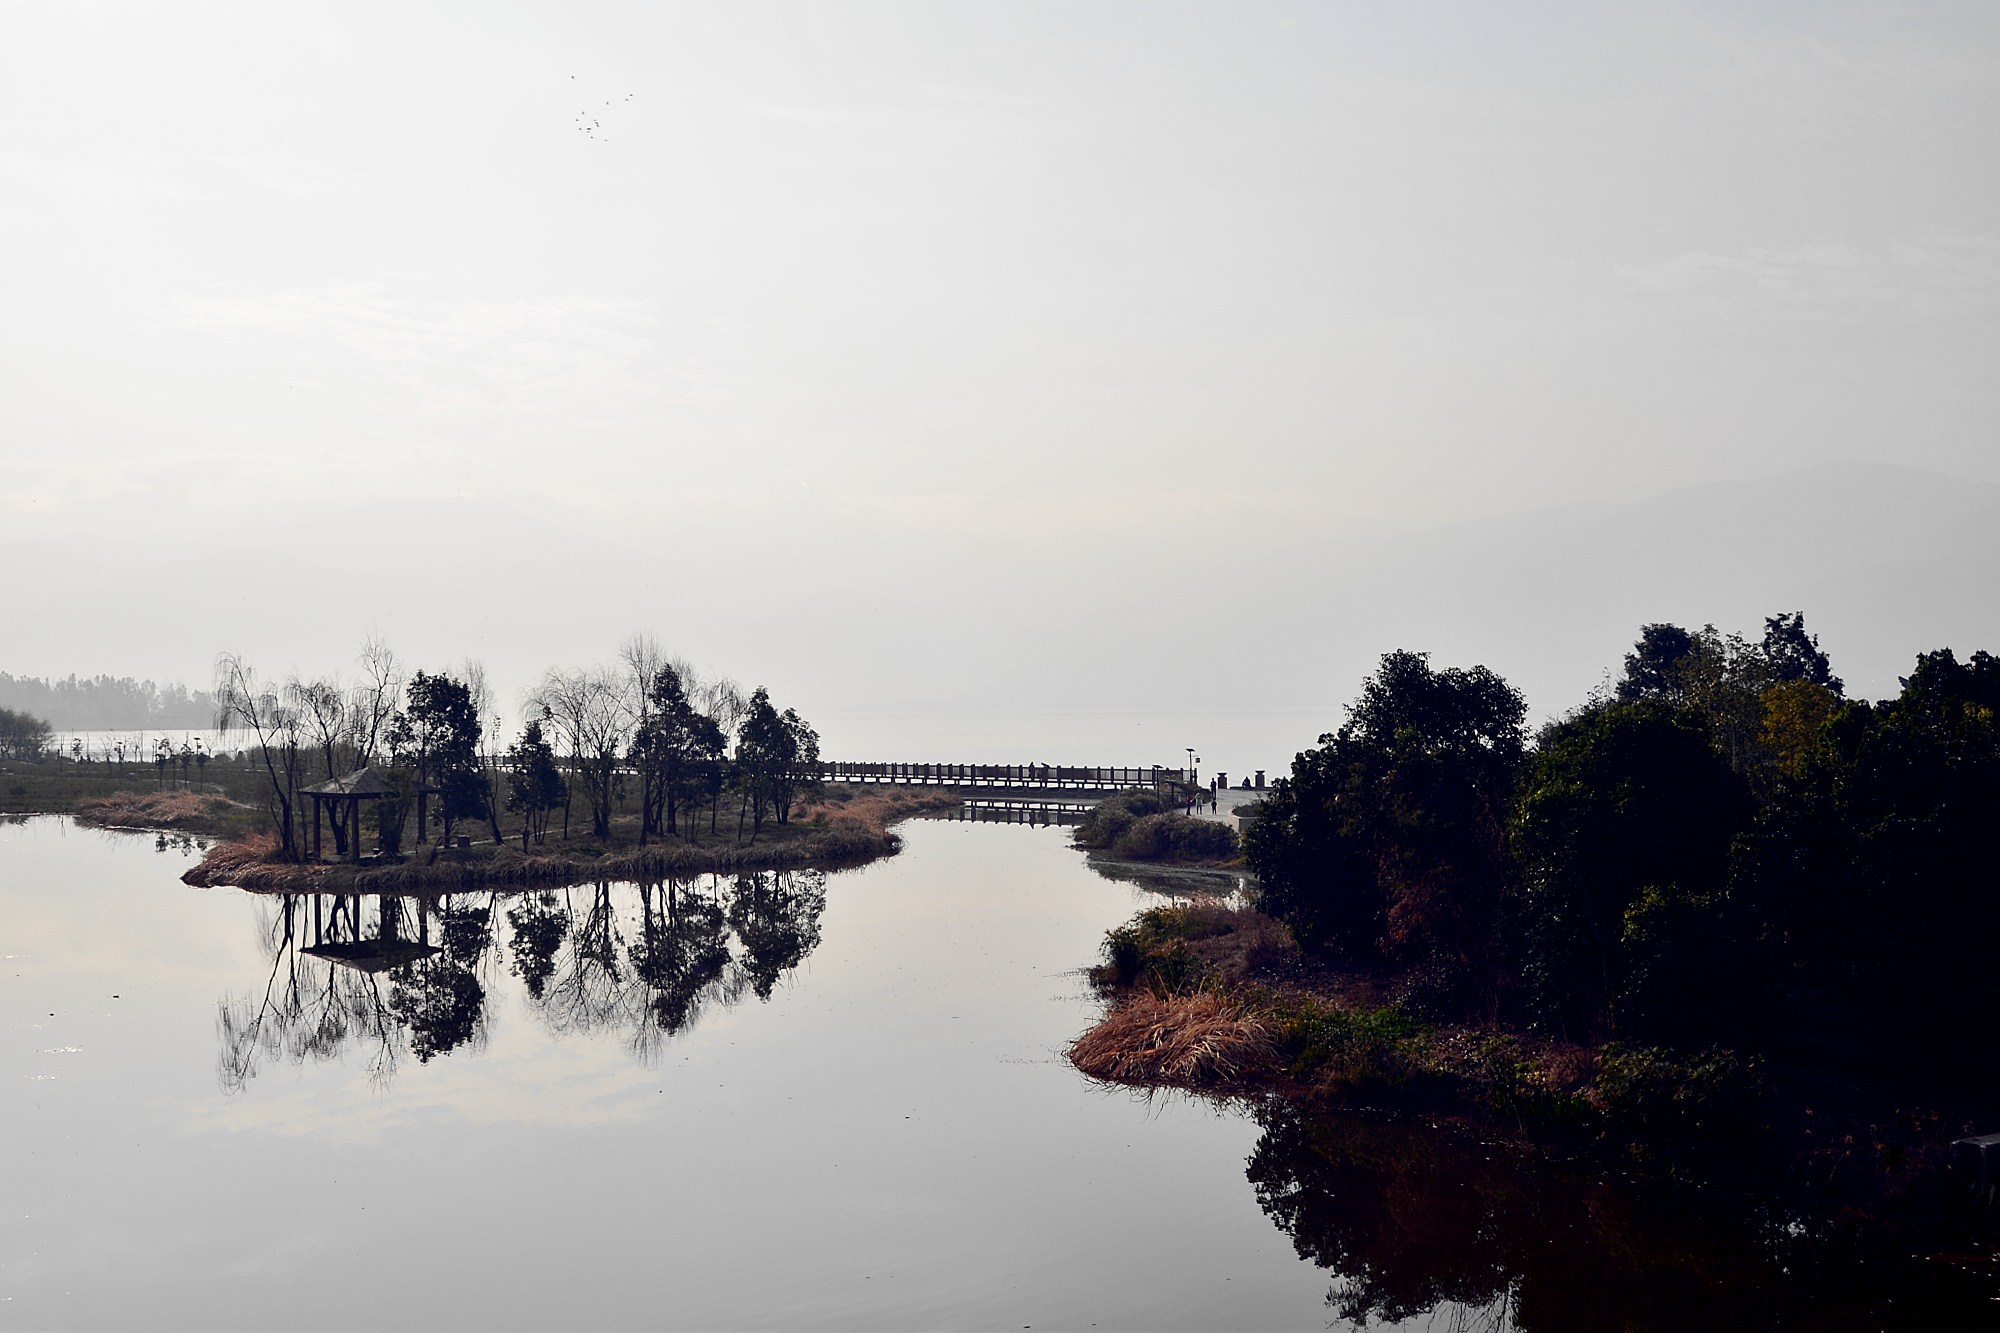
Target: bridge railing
1056, 777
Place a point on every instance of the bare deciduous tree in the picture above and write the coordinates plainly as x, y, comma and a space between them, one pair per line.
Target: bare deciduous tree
322, 707
243, 701
473, 673
373, 705
593, 717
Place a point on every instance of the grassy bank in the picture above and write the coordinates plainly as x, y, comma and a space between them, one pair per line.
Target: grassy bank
105, 793
1219, 1000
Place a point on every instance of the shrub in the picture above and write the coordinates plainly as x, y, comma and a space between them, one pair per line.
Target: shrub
1680, 1106
1113, 815
1152, 948
1175, 837
1320, 1040
22, 736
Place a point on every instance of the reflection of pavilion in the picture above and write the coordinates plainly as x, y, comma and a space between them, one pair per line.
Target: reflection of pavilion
651, 958
388, 950
370, 955
346, 794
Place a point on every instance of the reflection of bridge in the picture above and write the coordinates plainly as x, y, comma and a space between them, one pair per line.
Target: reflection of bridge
1038, 777
1002, 810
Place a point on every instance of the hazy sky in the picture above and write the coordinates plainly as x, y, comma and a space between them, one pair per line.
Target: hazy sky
506, 330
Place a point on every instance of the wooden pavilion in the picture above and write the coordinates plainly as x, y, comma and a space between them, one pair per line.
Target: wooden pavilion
346, 794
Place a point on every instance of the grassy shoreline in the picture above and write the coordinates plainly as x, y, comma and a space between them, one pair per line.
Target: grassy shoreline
842, 828
1218, 1001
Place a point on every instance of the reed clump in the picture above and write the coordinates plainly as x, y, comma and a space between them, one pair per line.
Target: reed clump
252, 862
1192, 942
1200, 1040
186, 811
874, 809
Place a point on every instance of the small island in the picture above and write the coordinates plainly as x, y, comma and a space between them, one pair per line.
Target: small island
393, 783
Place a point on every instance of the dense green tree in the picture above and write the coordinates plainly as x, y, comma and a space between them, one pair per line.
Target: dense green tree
1727, 682
1790, 654
667, 744
1872, 875
535, 785
1622, 833
1795, 713
799, 775
767, 750
1653, 667
438, 734
707, 771
1390, 838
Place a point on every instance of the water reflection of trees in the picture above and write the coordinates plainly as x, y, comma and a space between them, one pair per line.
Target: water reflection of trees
1414, 1220
395, 976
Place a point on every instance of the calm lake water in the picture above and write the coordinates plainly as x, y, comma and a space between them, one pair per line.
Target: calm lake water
781, 1102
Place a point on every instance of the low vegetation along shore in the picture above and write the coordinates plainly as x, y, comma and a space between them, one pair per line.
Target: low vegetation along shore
1211, 996
841, 827
1146, 826
1721, 923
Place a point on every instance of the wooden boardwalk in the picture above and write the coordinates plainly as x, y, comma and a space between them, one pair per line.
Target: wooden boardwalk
1035, 777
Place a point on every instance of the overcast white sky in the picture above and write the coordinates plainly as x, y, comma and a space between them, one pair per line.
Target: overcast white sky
887, 324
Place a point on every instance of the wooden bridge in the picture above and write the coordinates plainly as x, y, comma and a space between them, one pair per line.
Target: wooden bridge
1033, 777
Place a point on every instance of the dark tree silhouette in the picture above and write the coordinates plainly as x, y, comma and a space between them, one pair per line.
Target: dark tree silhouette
1622, 835
535, 785
438, 734
1390, 838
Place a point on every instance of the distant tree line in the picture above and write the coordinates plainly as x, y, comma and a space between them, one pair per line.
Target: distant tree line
649, 726
1721, 848
107, 703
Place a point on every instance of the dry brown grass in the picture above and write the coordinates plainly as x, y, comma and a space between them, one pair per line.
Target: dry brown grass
1200, 1040
874, 809
252, 862
192, 811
